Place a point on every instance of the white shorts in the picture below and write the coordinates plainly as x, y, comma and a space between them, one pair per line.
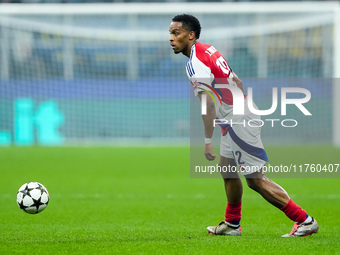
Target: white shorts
243, 143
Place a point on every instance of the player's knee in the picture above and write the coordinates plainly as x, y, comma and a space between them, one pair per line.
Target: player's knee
255, 183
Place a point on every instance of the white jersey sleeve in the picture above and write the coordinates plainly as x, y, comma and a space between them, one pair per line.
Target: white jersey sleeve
198, 73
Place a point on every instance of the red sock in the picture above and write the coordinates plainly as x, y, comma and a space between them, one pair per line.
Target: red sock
233, 212
294, 212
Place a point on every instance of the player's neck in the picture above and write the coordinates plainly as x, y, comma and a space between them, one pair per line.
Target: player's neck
187, 52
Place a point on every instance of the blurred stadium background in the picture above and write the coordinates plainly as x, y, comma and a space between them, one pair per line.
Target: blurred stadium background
104, 73
83, 74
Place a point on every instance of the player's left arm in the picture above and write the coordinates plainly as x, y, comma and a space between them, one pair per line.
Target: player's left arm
208, 121
238, 81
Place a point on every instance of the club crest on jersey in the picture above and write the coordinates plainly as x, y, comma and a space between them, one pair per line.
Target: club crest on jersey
211, 50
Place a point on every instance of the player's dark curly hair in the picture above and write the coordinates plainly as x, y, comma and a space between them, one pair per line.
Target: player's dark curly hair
189, 22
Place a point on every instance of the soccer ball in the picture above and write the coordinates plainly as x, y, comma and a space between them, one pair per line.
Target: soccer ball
32, 197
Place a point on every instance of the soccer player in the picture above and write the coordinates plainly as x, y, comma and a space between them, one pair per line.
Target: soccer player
241, 146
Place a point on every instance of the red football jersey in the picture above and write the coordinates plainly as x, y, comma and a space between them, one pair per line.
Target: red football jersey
207, 66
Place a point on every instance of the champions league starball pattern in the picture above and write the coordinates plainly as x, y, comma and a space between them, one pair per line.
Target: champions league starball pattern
32, 197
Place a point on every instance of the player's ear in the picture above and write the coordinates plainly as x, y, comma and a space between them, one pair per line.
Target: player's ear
192, 35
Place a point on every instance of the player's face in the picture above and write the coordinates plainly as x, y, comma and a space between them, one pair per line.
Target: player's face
180, 38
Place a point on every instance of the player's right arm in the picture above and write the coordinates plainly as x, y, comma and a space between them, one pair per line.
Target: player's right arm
208, 121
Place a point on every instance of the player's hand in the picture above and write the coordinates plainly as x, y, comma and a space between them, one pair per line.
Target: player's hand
208, 152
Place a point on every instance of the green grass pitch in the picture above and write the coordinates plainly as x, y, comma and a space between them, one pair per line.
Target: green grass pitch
143, 201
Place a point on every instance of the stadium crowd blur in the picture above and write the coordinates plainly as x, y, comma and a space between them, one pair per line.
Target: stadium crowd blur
136, 1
